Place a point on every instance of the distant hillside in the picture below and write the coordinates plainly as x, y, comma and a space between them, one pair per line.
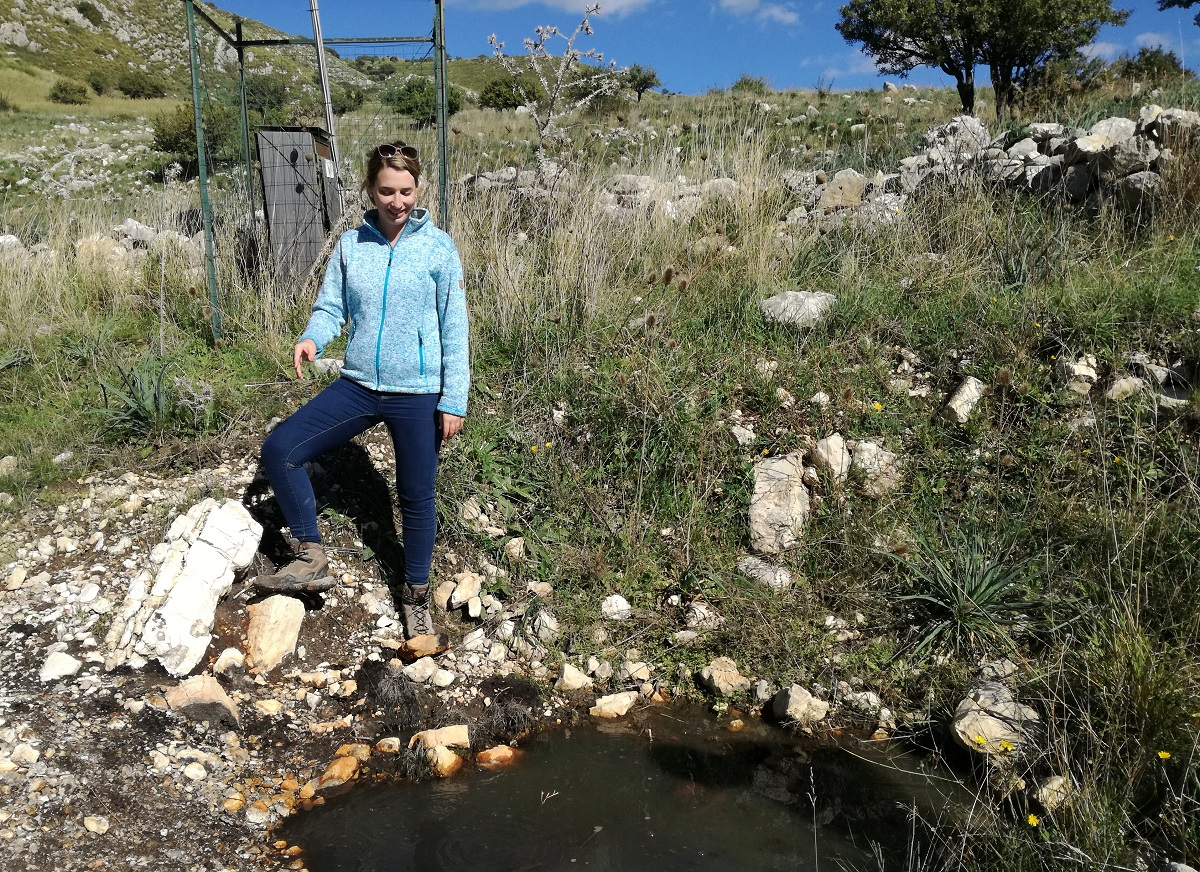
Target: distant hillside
78, 40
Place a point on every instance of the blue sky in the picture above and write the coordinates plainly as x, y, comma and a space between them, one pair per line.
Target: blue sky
693, 45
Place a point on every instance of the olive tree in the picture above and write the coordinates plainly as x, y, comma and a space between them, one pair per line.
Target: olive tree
1012, 38
641, 79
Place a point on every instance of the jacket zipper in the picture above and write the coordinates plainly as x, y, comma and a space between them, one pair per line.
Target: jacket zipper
421, 352
383, 316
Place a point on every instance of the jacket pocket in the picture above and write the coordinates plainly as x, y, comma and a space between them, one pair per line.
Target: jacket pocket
420, 353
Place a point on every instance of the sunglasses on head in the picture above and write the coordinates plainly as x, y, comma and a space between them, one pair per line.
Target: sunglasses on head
391, 149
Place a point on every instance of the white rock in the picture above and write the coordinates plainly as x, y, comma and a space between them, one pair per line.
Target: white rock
830, 456
721, 676
1125, 387
515, 549
796, 704
1053, 792
779, 506
756, 569
195, 771
572, 679
880, 468
744, 436
615, 705
58, 665
798, 308
964, 399
97, 824
990, 720
273, 631
616, 608
421, 670
467, 586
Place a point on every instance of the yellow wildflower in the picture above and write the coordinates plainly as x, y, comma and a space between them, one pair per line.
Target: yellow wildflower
1006, 745
533, 448
879, 407
1164, 755
980, 740
1033, 820
548, 444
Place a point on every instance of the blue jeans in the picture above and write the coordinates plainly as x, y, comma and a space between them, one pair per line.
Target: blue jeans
338, 414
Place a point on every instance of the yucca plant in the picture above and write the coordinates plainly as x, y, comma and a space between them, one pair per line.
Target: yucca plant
147, 404
970, 592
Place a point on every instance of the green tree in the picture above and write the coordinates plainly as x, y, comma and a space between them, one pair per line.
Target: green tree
175, 131
414, 97
756, 86
1155, 66
641, 79
1179, 4
506, 92
1012, 38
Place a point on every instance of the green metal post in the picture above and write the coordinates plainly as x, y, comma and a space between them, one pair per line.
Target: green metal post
241, 62
441, 112
205, 205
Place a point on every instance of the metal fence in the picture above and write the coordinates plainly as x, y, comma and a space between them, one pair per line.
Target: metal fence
280, 142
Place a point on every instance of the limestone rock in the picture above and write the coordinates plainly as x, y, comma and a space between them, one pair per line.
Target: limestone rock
721, 676
1053, 792
458, 735
991, 721
58, 665
1125, 387
830, 456
615, 705
962, 402
757, 569
616, 608
201, 698
879, 468
798, 308
571, 679
797, 705
845, 189
467, 586
273, 631
779, 506
421, 646
700, 615
97, 824
443, 761
205, 547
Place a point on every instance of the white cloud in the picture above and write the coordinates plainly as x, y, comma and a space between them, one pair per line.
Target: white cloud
1106, 50
779, 14
1149, 40
775, 13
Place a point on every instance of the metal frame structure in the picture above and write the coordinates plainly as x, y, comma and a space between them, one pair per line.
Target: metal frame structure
239, 45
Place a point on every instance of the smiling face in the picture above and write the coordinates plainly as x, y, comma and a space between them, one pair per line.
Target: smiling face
394, 194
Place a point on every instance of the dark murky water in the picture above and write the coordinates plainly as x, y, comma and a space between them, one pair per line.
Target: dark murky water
672, 791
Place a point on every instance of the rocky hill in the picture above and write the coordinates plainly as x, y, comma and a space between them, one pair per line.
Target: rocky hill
76, 40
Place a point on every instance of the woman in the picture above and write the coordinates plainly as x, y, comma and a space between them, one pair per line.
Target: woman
398, 280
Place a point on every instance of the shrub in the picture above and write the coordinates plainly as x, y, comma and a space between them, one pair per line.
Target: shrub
1153, 66
90, 12
755, 86
505, 92
414, 97
175, 131
346, 99
99, 81
7, 105
140, 85
69, 92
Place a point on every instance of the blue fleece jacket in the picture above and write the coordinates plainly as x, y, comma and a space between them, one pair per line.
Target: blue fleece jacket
406, 308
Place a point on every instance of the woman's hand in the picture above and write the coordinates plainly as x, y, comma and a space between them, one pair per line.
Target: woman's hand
305, 349
451, 426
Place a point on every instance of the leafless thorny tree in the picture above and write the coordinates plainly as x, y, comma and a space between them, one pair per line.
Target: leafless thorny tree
567, 82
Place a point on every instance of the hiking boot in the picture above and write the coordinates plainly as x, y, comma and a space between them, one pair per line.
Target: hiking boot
307, 572
414, 611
